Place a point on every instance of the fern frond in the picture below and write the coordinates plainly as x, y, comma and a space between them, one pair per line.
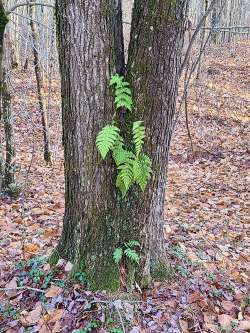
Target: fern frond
119, 143
117, 255
116, 80
132, 243
123, 90
121, 155
138, 136
132, 255
124, 104
106, 139
126, 172
142, 169
120, 185
123, 97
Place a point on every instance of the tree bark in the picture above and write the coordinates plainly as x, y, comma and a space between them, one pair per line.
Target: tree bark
154, 63
7, 170
39, 82
97, 220
87, 57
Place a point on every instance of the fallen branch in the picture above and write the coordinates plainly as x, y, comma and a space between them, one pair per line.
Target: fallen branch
23, 288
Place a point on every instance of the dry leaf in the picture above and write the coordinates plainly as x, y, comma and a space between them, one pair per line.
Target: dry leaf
184, 326
53, 291
227, 305
13, 285
245, 325
31, 248
34, 316
225, 321
68, 267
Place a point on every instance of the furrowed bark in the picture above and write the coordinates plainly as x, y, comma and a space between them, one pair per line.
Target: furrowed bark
92, 227
7, 168
97, 220
157, 36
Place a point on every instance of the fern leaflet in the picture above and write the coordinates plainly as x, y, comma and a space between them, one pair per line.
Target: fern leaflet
117, 255
132, 255
138, 136
106, 139
132, 243
142, 169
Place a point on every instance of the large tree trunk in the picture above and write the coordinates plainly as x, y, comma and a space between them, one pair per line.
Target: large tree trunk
155, 53
87, 61
97, 220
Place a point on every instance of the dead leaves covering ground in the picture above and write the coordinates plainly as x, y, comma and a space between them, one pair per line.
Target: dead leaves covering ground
206, 231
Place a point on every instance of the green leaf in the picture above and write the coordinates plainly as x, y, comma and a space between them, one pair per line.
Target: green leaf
132, 255
123, 90
116, 80
117, 255
106, 139
120, 185
126, 173
138, 136
120, 155
132, 243
142, 169
125, 98
124, 104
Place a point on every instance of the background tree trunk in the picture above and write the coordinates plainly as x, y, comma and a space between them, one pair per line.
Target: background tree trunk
39, 83
7, 170
96, 219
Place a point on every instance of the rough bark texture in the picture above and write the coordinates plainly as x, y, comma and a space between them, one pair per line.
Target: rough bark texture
155, 50
39, 82
87, 60
7, 171
118, 37
96, 219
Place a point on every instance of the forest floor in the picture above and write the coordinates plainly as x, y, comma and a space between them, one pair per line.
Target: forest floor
207, 221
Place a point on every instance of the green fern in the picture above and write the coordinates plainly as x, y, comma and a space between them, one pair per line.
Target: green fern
132, 255
116, 80
132, 243
133, 166
123, 93
106, 139
126, 172
142, 169
138, 136
123, 90
120, 155
120, 185
117, 255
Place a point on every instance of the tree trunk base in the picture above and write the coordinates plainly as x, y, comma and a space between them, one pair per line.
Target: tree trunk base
104, 274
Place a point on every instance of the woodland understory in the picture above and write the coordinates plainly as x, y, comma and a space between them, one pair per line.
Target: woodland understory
207, 233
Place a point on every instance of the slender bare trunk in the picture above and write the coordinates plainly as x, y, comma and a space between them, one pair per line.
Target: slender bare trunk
7, 169
39, 82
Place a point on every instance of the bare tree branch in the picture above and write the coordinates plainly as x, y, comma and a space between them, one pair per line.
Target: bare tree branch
196, 31
28, 3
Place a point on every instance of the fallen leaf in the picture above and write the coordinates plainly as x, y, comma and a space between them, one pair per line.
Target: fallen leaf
53, 291
245, 325
12, 285
225, 321
31, 248
227, 305
68, 267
